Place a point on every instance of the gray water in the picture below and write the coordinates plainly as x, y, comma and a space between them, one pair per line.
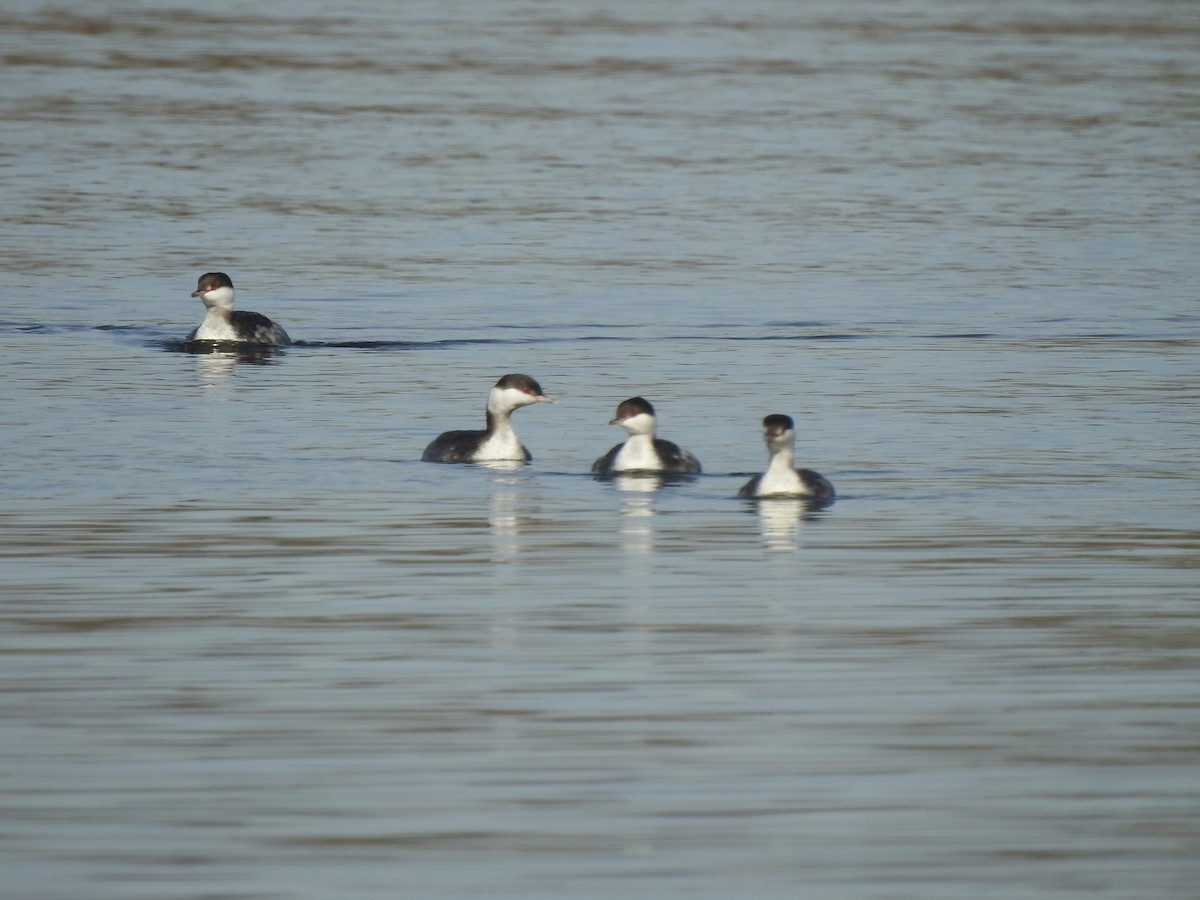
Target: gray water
254, 648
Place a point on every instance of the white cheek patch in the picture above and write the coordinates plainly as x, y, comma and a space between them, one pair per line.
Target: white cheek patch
639, 424
221, 298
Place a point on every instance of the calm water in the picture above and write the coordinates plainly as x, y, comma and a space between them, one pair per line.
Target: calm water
253, 648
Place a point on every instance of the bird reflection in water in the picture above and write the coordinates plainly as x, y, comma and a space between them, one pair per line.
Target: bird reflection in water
637, 509
782, 518
218, 359
235, 351
504, 513
215, 370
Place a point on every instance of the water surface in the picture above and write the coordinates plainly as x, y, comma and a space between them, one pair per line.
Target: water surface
254, 648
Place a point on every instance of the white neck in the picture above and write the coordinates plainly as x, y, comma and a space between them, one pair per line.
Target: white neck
781, 477
218, 298
502, 442
783, 457
641, 424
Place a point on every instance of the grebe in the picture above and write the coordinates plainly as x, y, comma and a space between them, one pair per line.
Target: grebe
643, 452
224, 323
498, 441
781, 479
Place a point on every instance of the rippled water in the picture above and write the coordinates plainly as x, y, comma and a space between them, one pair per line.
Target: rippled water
254, 648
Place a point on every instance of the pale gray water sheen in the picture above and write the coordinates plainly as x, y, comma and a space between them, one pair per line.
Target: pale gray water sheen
253, 648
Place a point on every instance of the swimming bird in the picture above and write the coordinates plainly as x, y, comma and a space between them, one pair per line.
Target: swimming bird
497, 441
224, 323
643, 452
781, 479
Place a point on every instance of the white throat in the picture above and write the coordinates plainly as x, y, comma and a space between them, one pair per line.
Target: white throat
218, 298
641, 424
